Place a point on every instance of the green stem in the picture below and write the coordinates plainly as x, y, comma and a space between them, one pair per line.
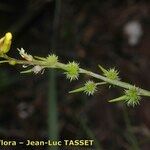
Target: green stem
62, 66
115, 82
53, 122
52, 108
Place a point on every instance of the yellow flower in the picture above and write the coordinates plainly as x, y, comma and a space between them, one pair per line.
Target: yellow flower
5, 43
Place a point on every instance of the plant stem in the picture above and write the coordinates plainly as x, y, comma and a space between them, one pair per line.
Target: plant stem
52, 108
115, 82
62, 66
53, 122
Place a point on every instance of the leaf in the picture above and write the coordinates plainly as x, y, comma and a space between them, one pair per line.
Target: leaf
121, 98
40, 58
27, 71
3, 61
77, 90
103, 70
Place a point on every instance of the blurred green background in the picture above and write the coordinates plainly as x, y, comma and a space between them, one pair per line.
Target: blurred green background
91, 32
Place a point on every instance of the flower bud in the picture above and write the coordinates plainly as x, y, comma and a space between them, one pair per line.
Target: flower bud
5, 43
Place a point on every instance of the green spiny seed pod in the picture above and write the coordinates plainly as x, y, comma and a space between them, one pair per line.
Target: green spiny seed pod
132, 96
90, 87
111, 73
72, 71
52, 60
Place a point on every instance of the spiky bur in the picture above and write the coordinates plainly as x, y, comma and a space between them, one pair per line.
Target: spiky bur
72, 71
132, 97
52, 60
89, 88
111, 73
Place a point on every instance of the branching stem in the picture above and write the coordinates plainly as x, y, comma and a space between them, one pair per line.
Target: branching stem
62, 66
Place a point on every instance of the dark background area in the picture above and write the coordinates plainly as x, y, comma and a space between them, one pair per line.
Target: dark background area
90, 32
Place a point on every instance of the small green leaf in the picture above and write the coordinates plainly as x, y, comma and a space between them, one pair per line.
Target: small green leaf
27, 71
103, 70
101, 83
4, 61
77, 90
121, 98
40, 58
